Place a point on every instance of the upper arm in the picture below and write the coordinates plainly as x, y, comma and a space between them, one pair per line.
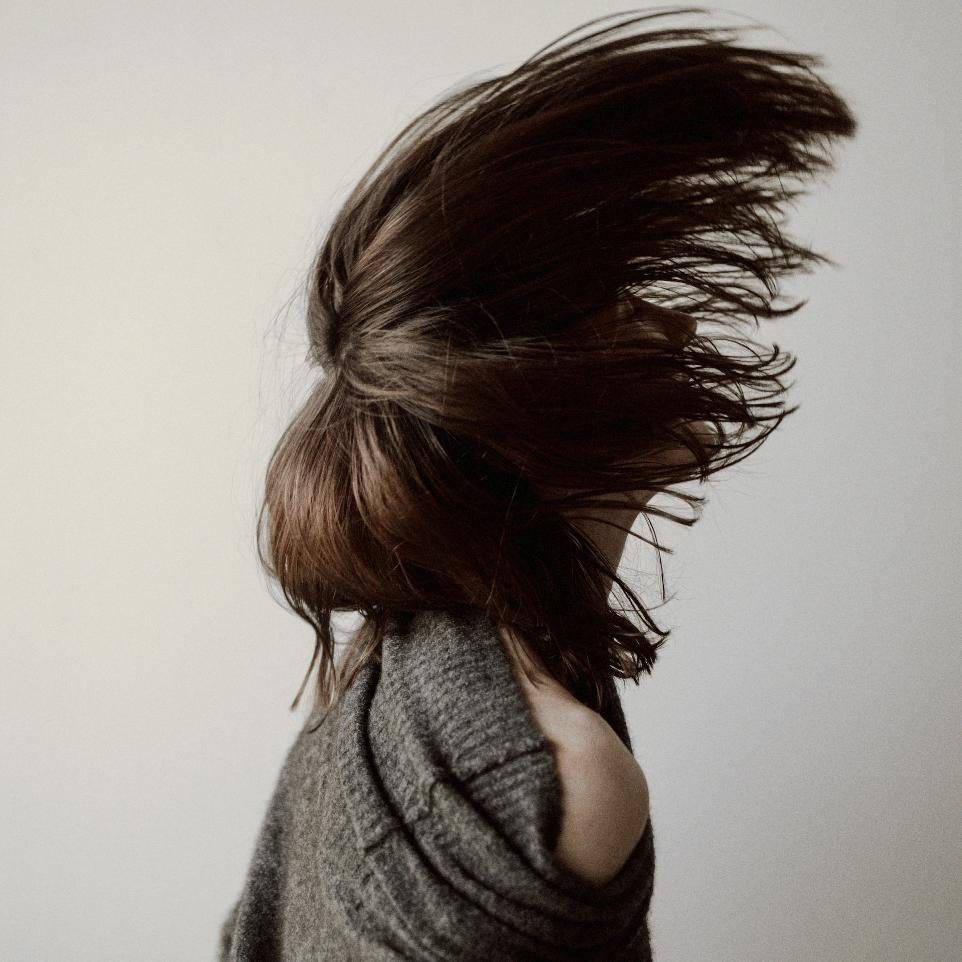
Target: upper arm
604, 802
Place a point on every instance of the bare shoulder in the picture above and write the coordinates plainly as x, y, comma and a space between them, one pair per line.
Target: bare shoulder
604, 799
604, 794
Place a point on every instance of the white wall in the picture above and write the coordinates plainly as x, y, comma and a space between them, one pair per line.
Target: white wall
167, 169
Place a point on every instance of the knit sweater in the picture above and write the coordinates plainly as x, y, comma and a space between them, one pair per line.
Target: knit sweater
417, 821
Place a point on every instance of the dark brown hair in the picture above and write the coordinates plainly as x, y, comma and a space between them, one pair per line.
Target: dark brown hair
462, 308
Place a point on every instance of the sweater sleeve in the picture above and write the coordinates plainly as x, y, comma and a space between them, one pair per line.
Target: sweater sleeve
474, 877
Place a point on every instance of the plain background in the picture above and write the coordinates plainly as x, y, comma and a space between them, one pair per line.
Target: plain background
167, 170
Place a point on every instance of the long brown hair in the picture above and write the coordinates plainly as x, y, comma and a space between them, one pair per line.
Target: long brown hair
472, 363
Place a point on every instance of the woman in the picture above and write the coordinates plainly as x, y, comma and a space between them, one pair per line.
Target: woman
529, 314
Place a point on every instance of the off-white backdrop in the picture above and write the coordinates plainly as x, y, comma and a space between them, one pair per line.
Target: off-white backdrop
167, 170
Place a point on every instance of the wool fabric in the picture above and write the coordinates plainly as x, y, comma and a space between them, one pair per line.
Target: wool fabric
416, 821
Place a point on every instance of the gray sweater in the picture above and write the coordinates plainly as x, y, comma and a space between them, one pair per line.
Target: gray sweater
416, 822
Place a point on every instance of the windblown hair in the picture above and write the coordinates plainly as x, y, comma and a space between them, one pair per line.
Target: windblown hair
497, 311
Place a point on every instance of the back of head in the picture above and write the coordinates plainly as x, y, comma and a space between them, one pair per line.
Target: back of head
495, 311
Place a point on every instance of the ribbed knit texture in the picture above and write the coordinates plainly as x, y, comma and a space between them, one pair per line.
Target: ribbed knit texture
417, 823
